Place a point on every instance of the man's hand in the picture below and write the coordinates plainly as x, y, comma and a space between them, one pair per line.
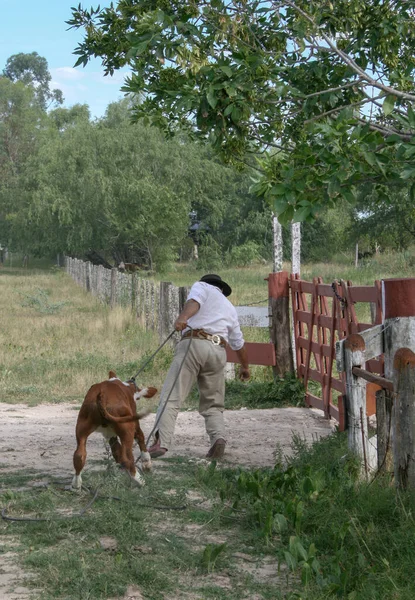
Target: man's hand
180, 324
244, 374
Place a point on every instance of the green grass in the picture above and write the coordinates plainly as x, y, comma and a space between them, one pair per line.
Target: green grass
284, 391
163, 551
306, 529
342, 537
330, 536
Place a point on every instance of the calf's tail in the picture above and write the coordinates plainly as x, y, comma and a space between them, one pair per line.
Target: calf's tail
101, 403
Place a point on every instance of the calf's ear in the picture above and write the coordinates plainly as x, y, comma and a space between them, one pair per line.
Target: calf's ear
111, 375
150, 392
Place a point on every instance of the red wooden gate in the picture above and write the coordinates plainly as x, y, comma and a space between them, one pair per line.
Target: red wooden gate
324, 314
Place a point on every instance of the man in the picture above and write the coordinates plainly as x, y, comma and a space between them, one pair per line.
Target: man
211, 322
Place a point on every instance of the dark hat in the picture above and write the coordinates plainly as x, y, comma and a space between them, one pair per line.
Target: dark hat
216, 280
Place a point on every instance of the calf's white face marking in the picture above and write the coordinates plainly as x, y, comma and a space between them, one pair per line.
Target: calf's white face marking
140, 393
118, 379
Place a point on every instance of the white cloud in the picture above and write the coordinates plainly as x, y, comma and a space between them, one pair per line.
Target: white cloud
67, 73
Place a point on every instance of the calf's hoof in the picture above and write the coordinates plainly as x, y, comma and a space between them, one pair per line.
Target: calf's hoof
138, 479
76, 484
146, 462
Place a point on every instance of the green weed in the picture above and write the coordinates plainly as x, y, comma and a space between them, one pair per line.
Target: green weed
40, 301
210, 555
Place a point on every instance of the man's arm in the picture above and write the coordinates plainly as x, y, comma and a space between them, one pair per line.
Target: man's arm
189, 310
242, 355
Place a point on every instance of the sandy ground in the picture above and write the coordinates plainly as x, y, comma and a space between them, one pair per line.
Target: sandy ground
42, 439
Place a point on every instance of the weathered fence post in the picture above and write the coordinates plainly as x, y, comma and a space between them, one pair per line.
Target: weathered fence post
404, 441
168, 308
113, 294
399, 342
384, 430
280, 329
354, 356
88, 278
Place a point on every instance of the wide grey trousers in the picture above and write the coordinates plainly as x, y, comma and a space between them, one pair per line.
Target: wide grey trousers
204, 363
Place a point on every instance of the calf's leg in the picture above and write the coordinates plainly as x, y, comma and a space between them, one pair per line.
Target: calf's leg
145, 456
115, 449
83, 430
127, 457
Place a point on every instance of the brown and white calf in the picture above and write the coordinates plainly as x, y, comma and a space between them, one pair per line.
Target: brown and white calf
110, 408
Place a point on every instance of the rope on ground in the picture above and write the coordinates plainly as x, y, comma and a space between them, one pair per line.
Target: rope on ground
5, 517
95, 495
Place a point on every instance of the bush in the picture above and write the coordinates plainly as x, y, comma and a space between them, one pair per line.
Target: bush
343, 537
285, 391
244, 255
210, 254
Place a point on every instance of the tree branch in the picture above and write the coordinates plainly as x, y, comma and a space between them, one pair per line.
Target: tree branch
348, 59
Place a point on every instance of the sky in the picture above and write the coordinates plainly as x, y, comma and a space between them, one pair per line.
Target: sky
39, 26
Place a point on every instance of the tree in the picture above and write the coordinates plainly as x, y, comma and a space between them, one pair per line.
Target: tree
32, 69
380, 224
67, 117
20, 123
326, 86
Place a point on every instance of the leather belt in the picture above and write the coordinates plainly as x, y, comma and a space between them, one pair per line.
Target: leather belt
217, 340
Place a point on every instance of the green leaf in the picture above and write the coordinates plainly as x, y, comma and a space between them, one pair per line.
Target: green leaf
333, 188
370, 158
290, 560
393, 139
236, 114
308, 487
280, 523
348, 195
408, 173
302, 214
411, 116
388, 104
227, 70
211, 98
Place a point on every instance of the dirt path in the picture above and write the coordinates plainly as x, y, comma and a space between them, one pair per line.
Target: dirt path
42, 438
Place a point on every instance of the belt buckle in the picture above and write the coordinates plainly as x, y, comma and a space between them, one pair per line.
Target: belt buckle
216, 341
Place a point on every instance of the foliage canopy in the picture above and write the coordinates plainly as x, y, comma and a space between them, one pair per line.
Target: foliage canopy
323, 91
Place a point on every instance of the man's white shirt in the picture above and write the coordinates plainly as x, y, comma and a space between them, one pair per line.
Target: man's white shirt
216, 314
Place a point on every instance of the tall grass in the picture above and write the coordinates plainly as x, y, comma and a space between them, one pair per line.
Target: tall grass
249, 285
56, 340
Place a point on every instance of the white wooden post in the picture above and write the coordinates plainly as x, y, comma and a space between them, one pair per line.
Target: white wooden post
354, 356
277, 245
295, 248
